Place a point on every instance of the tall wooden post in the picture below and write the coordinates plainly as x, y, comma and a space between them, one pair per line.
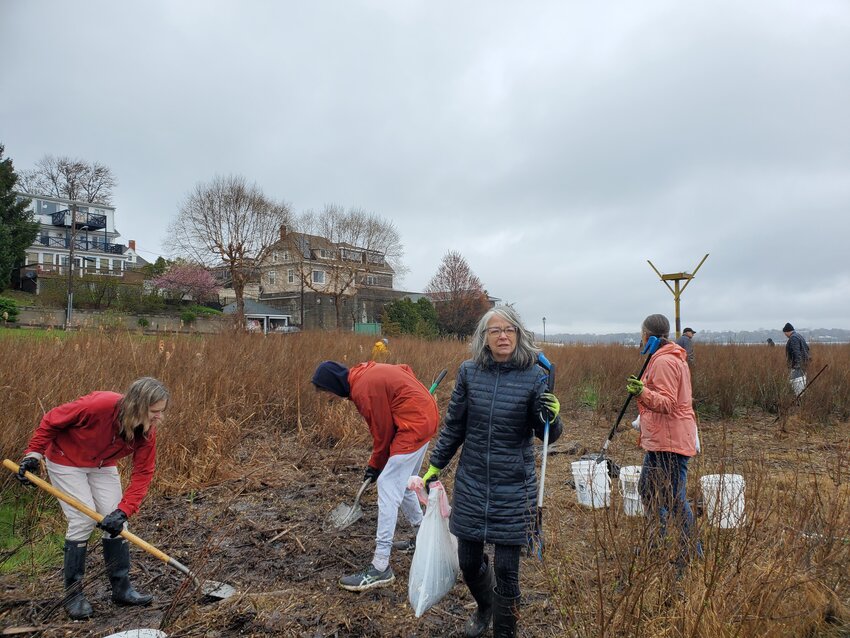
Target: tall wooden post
677, 291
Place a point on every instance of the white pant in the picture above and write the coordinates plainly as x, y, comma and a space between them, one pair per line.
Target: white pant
97, 487
392, 495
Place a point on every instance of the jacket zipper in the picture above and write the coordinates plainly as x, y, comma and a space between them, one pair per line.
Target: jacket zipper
489, 442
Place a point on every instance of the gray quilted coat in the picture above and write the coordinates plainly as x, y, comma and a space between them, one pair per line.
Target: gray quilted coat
493, 414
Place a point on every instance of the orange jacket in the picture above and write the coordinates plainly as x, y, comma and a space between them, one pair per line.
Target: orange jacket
667, 419
401, 414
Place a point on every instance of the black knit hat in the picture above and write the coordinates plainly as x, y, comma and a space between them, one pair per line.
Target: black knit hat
788, 328
333, 377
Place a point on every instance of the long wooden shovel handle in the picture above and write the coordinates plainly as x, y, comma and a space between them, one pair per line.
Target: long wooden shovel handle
82, 507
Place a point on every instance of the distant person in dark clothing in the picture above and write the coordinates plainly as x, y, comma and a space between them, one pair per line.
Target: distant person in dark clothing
770, 342
797, 354
686, 342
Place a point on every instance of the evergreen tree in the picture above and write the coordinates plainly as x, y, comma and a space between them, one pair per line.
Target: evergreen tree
18, 230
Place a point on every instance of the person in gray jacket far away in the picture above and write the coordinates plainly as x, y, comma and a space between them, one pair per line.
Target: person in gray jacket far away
686, 342
499, 404
797, 354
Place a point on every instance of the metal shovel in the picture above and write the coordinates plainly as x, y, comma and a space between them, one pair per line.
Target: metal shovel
210, 588
343, 515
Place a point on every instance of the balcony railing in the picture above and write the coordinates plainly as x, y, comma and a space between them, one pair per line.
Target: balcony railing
90, 221
83, 244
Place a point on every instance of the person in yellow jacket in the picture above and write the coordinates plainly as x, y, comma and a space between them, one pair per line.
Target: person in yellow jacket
380, 351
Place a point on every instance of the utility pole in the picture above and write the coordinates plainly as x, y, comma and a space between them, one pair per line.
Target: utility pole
70, 309
677, 291
544, 329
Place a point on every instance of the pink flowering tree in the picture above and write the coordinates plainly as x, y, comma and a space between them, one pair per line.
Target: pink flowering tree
184, 279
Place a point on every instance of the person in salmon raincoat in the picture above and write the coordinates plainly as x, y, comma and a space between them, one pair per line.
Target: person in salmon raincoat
668, 434
81, 442
402, 417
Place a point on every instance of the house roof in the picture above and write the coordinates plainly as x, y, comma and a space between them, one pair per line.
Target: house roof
255, 308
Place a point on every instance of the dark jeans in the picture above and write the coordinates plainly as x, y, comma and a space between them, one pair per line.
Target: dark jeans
663, 490
470, 555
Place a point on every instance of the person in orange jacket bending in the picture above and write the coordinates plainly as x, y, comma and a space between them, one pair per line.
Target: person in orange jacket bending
402, 417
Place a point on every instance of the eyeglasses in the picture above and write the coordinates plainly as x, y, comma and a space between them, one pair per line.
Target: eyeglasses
510, 331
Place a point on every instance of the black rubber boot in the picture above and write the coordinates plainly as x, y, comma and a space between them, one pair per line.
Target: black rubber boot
75, 602
481, 589
506, 614
116, 554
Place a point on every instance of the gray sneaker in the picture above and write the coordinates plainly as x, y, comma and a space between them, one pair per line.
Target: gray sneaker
367, 578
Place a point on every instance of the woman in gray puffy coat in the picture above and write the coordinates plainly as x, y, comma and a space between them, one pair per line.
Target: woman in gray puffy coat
498, 405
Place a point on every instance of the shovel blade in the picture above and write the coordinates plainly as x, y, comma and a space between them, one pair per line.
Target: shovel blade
344, 515
219, 591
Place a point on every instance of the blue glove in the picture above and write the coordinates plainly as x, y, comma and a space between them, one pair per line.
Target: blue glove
634, 385
113, 523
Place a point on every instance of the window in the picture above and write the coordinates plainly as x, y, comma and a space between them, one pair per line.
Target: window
272, 277
274, 257
48, 259
318, 276
290, 276
371, 280
31, 258
285, 255
351, 255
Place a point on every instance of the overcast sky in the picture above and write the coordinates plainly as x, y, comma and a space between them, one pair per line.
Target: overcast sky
556, 145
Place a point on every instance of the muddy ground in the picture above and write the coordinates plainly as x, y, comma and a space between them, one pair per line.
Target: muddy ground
263, 532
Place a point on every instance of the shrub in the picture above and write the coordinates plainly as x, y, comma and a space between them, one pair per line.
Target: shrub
143, 323
204, 311
8, 309
188, 317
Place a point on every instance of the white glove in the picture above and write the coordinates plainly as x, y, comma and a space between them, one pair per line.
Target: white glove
636, 423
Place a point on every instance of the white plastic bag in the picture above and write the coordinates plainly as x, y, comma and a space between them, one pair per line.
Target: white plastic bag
434, 569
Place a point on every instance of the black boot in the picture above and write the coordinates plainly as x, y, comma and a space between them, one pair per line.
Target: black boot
116, 554
75, 602
481, 588
505, 616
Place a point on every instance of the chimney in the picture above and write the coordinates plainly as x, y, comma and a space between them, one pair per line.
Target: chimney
282, 232
132, 244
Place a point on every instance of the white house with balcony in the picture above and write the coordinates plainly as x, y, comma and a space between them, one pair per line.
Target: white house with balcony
96, 247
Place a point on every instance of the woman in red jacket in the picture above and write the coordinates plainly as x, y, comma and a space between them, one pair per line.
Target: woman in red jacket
81, 442
668, 434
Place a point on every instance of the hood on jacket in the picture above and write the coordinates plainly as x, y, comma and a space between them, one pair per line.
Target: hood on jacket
333, 377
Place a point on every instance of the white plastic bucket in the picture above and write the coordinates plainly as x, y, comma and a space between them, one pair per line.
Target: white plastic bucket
724, 499
593, 487
629, 478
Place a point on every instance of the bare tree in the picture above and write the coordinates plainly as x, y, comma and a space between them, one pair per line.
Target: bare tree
228, 222
358, 247
458, 295
70, 178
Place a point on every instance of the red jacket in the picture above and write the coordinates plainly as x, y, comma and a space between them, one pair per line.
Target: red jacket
84, 433
667, 420
401, 413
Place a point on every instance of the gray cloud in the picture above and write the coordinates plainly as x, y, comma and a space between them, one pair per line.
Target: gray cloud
557, 146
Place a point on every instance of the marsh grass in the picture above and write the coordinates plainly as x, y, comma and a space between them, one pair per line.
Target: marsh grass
783, 572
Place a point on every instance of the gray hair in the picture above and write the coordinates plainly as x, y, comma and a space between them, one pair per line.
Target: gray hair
656, 326
525, 353
134, 405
